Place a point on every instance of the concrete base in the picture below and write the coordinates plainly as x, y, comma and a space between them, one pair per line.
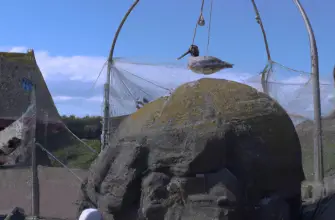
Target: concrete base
313, 191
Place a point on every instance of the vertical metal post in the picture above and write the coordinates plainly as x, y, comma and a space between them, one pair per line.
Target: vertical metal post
318, 148
46, 123
260, 22
105, 124
106, 121
35, 183
35, 206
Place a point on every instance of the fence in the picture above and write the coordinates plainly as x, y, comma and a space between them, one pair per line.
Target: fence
37, 172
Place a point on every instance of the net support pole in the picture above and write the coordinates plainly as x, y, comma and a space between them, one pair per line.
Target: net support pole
266, 44
318, 147
35, 206
260, 22
106, 122
35, 184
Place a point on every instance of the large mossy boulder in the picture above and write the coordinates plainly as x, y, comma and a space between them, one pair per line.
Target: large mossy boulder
209, 138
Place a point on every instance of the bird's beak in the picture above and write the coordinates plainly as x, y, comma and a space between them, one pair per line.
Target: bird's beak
187, 52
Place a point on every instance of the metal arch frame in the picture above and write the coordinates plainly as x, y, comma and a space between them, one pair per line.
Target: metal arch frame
106, 121
318, 145
318, 148
265, 72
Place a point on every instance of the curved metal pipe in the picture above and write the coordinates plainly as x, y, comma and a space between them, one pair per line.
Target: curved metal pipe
111, 52
265, 72
318, 148
106, 124
259, 21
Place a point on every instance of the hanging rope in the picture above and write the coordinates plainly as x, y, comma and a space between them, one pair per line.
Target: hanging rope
201, 20
55, 158
209, 26
197, 24
96, 80
265, 74
259, 21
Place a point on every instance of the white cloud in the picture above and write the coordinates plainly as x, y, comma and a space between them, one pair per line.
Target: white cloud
95, 99
68, 98
18, 50
62, 98
71, 78
81, 68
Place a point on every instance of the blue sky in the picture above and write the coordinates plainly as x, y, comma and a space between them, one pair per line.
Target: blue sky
72, 38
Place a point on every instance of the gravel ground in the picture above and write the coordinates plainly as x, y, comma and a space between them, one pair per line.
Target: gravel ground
58, 191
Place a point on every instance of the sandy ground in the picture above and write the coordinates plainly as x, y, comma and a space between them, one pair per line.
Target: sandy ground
58, 191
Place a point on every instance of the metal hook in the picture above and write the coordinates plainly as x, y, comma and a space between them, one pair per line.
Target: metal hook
201, 20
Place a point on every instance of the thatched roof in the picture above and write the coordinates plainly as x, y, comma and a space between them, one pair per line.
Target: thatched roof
14, 99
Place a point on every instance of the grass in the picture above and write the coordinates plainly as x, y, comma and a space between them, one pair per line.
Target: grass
77, 155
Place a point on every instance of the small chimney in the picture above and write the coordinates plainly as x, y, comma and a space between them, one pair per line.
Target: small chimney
31, 54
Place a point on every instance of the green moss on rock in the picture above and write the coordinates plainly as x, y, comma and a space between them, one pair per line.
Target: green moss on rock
214, 123
203, 102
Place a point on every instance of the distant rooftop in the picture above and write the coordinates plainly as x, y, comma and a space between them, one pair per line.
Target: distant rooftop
14, 67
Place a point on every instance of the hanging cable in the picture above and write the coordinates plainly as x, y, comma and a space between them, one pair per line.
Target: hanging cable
144, 79
201, 20
96, 80
259, 21
209, 26
197, 24
265, 74
55, 158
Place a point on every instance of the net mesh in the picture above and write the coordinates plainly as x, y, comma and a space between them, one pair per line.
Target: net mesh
28, 115
133, 81
133, 84
17, 138
292, 89
22, 87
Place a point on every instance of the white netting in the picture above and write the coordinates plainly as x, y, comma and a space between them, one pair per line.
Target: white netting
132, 81
294, 91
28, 115
23, 89
19, 136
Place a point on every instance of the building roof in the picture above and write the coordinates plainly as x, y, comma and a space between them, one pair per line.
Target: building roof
15, 67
